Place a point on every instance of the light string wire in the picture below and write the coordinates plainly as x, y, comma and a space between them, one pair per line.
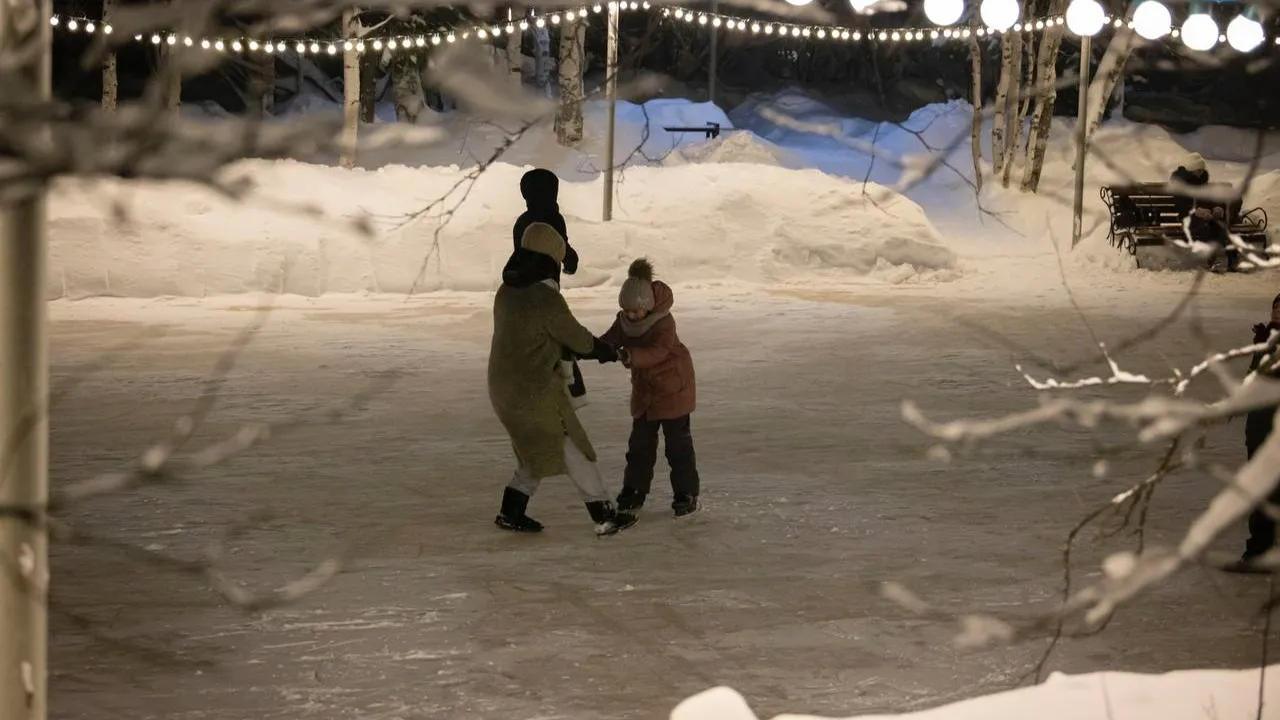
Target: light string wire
767, 28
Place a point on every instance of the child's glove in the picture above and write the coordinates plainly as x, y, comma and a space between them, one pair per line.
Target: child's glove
625, 356
603, 351
1261, 332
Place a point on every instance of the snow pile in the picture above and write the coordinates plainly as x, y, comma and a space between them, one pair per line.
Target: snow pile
699, 223
1185, 695
734, 147
757, 114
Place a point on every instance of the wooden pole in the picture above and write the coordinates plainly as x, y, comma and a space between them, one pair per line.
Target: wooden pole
1082, 123
611, 90
24, 383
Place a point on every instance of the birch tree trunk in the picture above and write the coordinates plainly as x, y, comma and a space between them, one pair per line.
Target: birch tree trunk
173, 76
513, 58
1110, 73
110, 79
406, 86
542, 60
1046, 96
26, 44
975, 133
1022, 103
264, 85
367, 66
350, 92
568, 124
1007, 92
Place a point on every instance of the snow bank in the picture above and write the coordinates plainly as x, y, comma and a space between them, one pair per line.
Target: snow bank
734, 147
699, 223
1186, 695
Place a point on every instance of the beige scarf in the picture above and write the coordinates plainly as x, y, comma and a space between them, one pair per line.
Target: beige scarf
636, 329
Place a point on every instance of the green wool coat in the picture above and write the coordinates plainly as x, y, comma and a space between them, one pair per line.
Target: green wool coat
530, 326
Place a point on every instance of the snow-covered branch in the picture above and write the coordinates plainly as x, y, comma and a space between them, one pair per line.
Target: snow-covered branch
1154, 419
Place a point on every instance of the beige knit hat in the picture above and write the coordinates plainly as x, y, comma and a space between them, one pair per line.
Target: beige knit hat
542, 238
1193, 162
637, 289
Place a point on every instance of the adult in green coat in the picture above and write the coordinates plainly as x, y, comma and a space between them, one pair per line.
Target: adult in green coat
532, 326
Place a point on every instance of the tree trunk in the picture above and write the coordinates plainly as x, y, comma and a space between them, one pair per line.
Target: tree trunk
110, 79
1007, 92
25, 43
1046, 96
1013, 146
568, 124
350, 92
1110, 73
406, 86
367, 66
542, 60
513, 57
173, 76
263, 92
975, 133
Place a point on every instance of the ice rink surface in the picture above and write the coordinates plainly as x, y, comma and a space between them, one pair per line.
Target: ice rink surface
815, 493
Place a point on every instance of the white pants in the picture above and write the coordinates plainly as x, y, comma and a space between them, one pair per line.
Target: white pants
584, 474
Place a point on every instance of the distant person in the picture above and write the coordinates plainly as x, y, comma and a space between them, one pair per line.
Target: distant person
541, 189
663, 391
1258, 426
532, 326
1207, 218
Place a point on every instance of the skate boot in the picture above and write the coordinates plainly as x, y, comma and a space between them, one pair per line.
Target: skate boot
1249, 564
685, 505
630, 500
512, 517
607, 518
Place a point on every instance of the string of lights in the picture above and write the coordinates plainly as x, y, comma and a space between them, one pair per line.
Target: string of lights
315, 46
1151, 20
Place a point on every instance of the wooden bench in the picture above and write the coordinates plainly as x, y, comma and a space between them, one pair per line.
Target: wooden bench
1147, 221
711, 129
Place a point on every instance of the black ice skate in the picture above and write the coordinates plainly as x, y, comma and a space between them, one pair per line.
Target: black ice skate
607, 518
630, 500
1249, 564
685, 505
512, 515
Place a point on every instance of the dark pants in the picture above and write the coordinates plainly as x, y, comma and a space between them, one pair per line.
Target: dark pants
1262, 529
642, 455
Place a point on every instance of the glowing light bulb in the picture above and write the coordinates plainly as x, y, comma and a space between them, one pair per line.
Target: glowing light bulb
799, 3
1152, 20
1200, 32
999, 15
1085, 17
943, 12
1245, 34
72, 25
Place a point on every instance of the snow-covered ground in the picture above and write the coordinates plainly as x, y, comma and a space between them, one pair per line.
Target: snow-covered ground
813, 305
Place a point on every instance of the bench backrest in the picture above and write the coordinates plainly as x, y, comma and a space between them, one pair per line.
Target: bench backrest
1156, 205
